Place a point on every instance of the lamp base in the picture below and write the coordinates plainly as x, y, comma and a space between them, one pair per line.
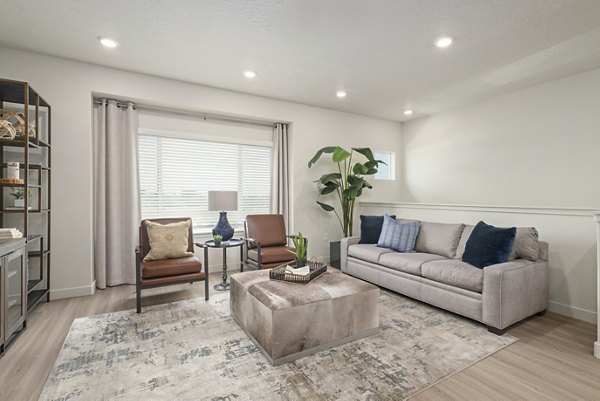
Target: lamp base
223, 228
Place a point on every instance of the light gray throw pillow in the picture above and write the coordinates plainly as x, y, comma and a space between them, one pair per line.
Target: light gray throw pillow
526, 244
460, 249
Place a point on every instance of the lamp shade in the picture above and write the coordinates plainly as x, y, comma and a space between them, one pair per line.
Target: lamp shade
222, 200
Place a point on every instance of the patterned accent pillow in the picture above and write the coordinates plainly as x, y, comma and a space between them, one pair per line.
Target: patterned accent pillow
168, 241
398, 236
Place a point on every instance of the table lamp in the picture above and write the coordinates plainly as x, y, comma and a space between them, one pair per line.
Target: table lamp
221, 201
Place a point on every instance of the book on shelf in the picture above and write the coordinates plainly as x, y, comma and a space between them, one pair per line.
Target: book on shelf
10, 233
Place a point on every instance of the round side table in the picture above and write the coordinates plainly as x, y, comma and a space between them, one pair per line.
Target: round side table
232, 243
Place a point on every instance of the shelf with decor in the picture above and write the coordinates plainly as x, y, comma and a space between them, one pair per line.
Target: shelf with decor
25, 181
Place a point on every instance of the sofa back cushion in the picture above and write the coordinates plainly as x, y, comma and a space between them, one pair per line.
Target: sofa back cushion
398, 236
460, 249
489, 245
439, 238
526, 244
370, 228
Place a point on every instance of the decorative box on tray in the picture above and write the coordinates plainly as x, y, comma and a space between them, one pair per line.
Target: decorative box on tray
303, 275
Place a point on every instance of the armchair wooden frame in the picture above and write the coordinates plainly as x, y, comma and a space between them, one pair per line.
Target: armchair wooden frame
251, 243
141, 283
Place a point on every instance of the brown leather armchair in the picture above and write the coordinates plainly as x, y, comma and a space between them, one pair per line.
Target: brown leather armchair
266, 242
158, 273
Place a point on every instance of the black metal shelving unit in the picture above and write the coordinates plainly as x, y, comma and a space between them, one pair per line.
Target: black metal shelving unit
34, 157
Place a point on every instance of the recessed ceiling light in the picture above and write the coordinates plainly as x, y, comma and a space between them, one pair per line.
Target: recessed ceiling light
106, 42
249, 74
443, 42
340, 94
408, 112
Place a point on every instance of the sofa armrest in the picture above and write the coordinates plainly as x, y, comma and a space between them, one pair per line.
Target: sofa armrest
513, 291
344, 244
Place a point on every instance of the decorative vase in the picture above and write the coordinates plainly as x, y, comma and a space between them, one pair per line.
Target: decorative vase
223, 228
20, 203
12, 170
299, 263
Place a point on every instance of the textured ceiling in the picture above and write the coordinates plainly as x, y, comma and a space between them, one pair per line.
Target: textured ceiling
380, 52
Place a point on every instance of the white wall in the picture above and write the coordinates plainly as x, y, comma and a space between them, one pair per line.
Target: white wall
68, 86
536, 148
533, 147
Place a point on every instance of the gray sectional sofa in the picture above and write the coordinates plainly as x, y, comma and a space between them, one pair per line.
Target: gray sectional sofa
498, 295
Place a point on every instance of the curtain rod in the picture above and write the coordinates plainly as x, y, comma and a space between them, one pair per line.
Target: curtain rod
205, 116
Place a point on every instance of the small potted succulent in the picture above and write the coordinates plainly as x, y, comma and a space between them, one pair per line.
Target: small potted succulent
217, 238
19, 195
300, 252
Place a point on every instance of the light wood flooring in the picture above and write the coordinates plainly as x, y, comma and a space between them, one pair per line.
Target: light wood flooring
551, 361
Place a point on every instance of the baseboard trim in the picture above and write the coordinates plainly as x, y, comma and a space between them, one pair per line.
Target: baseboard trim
572, 311
73, 292
597, 349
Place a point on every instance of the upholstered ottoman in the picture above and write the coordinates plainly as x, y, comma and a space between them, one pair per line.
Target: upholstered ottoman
288, 321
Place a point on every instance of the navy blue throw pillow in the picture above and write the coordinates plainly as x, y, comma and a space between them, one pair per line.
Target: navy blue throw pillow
489, 245
370, 229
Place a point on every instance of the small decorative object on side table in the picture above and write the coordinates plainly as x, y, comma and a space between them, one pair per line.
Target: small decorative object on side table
221, 201
224, 285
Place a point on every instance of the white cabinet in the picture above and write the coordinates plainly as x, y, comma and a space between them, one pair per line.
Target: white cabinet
13, 291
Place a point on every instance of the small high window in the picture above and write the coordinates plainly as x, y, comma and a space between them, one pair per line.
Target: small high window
386, 172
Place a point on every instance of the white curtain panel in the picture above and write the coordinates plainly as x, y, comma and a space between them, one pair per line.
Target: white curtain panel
117, 196
280, 173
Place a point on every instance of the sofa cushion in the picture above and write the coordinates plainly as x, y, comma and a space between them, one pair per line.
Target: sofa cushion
367, 252
407, 262
439, 238
454, 272
170, 267
400, 237
272, 254
460, 249
370, 228
489, 245
526, 244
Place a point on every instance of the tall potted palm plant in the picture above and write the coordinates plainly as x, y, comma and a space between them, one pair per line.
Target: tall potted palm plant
347, 183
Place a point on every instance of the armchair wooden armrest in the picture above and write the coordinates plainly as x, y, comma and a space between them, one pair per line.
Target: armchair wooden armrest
254, 243
251, 240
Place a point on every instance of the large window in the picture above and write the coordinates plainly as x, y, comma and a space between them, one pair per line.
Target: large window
176, 175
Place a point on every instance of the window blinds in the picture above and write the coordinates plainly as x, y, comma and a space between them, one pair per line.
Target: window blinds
176, 175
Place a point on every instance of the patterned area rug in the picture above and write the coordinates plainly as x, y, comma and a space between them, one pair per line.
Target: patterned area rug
193, 350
